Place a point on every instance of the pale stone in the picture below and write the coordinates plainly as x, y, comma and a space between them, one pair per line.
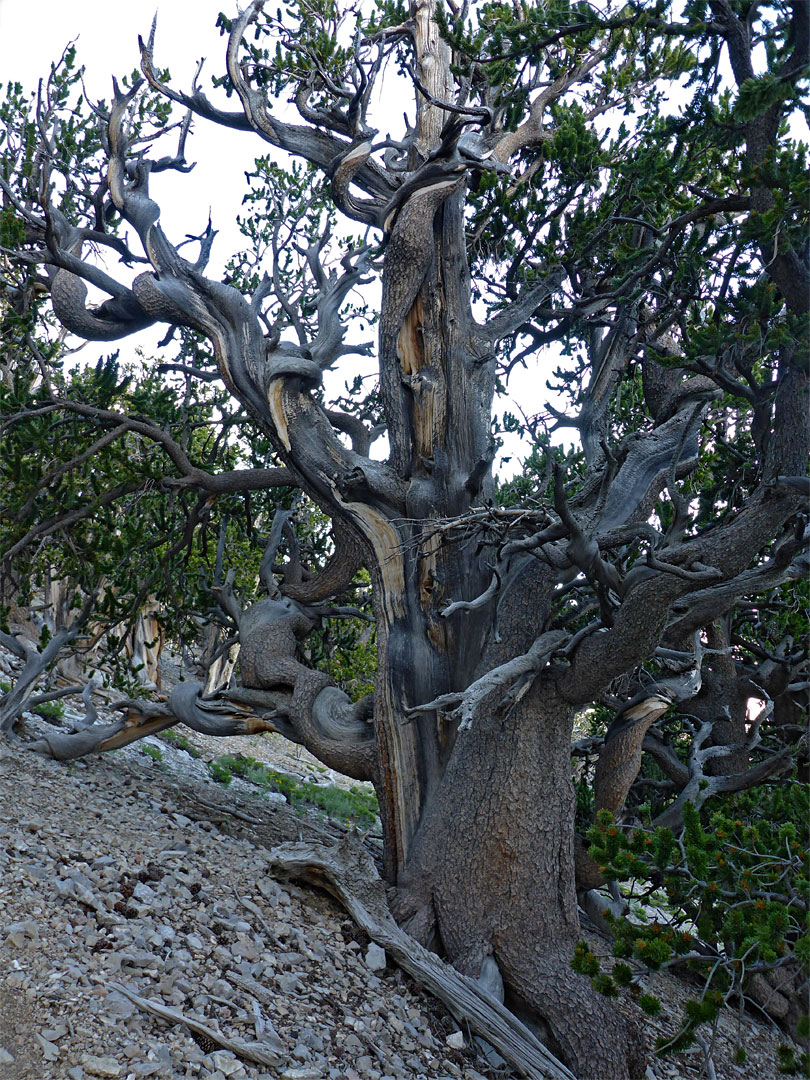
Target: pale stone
50, 1051
54, 1033
375, 957
100, 1066
226, 1062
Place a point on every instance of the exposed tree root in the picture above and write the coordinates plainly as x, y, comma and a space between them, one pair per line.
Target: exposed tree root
268, 1052
347, 872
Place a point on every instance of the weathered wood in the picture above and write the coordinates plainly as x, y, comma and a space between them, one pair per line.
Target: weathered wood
36, 663
349, 874
270, 1051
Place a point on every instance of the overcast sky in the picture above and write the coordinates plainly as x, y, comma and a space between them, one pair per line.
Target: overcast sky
32, 35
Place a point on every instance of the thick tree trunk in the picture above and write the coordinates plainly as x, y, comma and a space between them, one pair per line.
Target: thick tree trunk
723, 701
493, 865
437, 391
478, 825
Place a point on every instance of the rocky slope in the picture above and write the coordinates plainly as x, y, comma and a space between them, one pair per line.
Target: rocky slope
135, 874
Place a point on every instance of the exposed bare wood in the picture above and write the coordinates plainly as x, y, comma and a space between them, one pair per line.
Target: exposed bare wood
270, 1051
349, 874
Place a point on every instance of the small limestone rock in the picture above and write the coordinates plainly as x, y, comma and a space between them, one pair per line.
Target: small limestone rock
147, 1068
226, 1062
456, 1041
50, 1051
311, 1038
26, 928
144, 893
5, 1057
54, 1033
375, 957
118, 1005
288, 984
100, 1066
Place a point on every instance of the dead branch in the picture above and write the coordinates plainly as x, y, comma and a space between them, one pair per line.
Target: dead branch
270, 1051
348, 873
511, 676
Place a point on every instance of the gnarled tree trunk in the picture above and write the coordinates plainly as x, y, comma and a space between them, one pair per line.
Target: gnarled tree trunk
476, 801
493, 864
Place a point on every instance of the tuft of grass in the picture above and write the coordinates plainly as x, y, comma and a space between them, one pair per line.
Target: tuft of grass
154, 752
181, 742
355, 805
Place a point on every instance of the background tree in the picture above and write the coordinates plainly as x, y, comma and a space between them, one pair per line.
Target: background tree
544, 191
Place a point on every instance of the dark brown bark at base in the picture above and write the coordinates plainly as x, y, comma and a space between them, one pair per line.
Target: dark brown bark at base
783, 995
492, 869
586, 1031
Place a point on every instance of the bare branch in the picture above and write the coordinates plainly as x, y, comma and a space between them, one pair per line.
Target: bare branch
514, 677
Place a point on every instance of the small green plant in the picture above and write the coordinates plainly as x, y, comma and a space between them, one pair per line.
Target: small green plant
355, 805
733, 882
791, 1064
154, 752
219, 772
181, 742
50, 710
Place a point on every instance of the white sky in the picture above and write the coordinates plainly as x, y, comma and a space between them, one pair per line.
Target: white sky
107, 45
105, 35
106, 38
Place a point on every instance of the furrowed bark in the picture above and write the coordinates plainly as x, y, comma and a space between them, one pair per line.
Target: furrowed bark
348, 873
477, 815
495, 874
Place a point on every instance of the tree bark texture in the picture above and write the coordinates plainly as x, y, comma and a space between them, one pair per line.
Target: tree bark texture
478, 816
493, 864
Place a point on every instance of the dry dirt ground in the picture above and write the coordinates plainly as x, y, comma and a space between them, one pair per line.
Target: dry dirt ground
131, 872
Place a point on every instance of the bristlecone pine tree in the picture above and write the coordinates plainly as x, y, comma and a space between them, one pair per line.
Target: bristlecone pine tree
616, 180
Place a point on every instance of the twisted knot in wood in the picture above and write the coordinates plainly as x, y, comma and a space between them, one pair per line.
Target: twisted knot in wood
334, 730
270, 633
113, 319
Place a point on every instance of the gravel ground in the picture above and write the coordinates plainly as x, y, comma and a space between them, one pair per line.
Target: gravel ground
122, 871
